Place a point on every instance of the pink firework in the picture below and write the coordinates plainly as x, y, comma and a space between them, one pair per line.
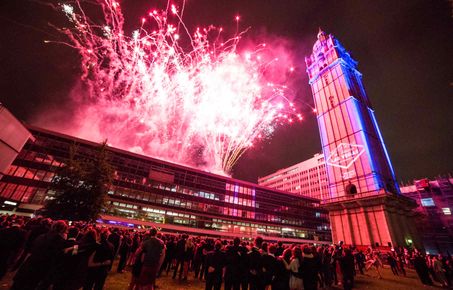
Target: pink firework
189, 98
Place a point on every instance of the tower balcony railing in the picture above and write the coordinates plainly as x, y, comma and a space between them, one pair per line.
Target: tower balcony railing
365, 195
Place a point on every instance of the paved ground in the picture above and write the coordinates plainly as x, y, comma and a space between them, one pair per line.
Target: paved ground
369, 281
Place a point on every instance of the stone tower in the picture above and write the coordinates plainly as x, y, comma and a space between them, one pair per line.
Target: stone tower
364, 203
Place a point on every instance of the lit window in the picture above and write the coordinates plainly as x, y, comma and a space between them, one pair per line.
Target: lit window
446, 210
427, 202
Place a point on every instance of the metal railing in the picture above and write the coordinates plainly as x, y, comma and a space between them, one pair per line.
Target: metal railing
361, 195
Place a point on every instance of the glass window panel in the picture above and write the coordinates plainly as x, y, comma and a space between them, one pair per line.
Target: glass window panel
8, 190
427, 202
20, 172
2, 185
49, 176
30, 173
39, 196
11, 170
28, 194
40, 174
19, 192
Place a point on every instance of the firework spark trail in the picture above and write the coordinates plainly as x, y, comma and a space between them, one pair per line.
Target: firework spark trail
202, 106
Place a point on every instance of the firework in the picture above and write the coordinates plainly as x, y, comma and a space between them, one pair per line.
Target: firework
186, 97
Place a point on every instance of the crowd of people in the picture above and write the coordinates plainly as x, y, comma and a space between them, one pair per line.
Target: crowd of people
46, 254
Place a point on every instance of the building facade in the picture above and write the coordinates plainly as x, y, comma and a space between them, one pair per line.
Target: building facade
13, 136
364, 203
307, 178
148, 191
434, 199
435, 205
350, 137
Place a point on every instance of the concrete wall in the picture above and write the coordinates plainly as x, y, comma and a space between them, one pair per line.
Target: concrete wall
13, 136
368, 225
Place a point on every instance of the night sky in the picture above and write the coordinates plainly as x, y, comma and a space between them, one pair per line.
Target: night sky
404, 50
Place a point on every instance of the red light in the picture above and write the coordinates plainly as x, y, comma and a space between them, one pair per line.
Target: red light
216, 99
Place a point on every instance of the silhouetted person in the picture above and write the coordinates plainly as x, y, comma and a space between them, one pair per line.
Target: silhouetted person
279, 250
208, 247
169, 256
180, 256
115, 239
232, 268
66, 261
282, 271
392, 263
347, 269
38, 268
269, 264
12, 241
256, 281
35, 228
153, 250
215, 262
422, 269
400, 260
188, 256
310, 268
197, 259
124, 251
99, 264
360, 260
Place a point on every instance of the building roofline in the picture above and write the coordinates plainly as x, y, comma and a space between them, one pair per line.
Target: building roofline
283, 170
180, 166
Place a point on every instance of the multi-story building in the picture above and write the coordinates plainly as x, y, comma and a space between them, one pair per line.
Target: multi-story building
433, 197
148, 191
364, 203
307, 178
435, 205
354, 177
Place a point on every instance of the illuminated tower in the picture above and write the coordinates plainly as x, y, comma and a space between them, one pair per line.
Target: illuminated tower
364, 204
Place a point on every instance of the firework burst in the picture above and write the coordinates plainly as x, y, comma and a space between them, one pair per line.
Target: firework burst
186, 97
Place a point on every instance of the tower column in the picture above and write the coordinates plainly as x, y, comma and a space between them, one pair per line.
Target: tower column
365, 205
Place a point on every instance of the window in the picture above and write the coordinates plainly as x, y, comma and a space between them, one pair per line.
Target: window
20, 171
30, 173
40, 175
49, 176
8, 190
28, 194
39, 196
446, 211
19, 192
11, 170
427, 201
